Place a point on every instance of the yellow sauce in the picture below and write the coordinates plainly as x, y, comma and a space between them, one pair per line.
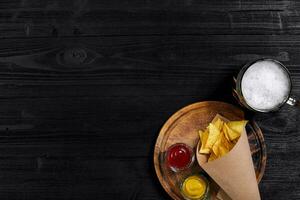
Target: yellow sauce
194, 187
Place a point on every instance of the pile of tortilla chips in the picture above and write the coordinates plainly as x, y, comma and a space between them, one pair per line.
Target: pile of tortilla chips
220, 137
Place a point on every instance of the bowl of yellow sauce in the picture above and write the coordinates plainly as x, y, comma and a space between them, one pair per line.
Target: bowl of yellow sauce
195, 187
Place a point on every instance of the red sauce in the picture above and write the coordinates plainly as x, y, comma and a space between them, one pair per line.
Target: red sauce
179, 156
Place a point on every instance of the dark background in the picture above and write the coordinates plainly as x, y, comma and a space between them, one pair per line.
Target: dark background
86, 85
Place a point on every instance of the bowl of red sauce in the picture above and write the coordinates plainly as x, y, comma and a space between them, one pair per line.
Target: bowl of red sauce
179, 157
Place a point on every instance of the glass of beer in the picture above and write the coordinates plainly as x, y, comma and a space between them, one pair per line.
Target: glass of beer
264, 85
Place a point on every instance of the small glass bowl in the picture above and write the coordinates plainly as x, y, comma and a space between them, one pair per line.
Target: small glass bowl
176, 152
205, 196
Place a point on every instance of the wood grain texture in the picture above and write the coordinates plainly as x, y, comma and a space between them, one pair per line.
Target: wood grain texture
86, 85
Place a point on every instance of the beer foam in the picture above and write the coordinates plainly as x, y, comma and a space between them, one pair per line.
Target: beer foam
265, 85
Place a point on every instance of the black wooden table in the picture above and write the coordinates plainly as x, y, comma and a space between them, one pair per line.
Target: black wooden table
86, 85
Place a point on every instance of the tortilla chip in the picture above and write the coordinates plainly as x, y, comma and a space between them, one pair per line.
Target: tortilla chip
203, 137
220, 137
213, 136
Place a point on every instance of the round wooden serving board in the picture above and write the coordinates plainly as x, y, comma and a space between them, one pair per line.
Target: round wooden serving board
183, 127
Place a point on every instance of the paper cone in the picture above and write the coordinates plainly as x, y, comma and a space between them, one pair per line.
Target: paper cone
234, 172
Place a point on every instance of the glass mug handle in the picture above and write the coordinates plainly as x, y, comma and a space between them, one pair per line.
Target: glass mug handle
292, 101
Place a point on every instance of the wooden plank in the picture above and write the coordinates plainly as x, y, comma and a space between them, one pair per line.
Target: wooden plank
141, 22
94, 18
129, 59
81, 6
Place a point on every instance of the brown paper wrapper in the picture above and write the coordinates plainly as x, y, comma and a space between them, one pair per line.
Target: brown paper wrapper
234, 172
